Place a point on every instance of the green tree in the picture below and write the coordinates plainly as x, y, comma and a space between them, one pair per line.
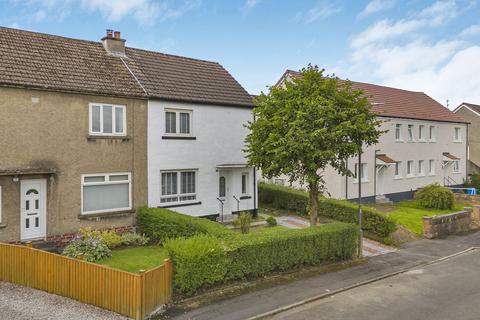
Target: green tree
306, 124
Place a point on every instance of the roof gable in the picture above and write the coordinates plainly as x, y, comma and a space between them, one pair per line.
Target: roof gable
399, 103
474, 108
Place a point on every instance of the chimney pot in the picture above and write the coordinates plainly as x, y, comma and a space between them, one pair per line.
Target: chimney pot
117, 35
109, 33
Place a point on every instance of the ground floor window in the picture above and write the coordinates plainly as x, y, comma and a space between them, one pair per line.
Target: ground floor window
245, 183
106, 192
456, 166
178, 186
363, 172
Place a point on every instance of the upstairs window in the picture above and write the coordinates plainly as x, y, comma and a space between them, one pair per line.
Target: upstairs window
178, 122
431, 133
178, 186
457, 137
398, 132
410, 132
421, 132
107, 120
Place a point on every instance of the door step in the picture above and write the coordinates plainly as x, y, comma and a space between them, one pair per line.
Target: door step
382, 199
45, 246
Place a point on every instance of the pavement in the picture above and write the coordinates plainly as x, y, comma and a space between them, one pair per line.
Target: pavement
441, 291
370, 248
261, 302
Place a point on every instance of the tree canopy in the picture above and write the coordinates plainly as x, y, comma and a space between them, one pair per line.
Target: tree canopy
306, 124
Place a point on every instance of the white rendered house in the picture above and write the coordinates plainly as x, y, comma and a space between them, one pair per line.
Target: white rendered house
197, 114
424, 143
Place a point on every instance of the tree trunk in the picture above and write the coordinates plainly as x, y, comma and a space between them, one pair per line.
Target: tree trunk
313, 191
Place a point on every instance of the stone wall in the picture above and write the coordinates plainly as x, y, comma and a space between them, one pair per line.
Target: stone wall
439, 226
473, 200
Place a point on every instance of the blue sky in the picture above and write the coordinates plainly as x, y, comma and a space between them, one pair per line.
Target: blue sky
430, 46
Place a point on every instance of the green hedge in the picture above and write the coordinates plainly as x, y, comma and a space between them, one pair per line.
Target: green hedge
161, 224
257, 254
281, 197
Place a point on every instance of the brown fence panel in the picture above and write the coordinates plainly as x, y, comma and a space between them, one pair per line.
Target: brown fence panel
130, 294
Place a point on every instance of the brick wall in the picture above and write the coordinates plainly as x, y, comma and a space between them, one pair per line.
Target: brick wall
439, 226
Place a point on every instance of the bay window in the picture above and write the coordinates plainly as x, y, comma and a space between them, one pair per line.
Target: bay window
106, 192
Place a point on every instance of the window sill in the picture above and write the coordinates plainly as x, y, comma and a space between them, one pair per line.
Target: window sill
245, 197
458, 172
421, 175
397, 178
411, 141
422, 141
94, 137
432, 141
3, 225
457, 141
401, 141
185, 204
179, 138
410, 176
105, 215
363, 181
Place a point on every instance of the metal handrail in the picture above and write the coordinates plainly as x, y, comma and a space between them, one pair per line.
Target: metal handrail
238, 203
221, 204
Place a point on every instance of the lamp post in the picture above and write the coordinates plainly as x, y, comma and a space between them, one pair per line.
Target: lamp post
359, 179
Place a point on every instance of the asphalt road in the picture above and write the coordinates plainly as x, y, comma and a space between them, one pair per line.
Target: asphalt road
442, 291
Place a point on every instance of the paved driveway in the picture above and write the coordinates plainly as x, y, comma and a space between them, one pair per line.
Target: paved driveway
20, 303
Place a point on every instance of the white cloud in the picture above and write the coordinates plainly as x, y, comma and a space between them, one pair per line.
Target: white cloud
321, 10
399, 53
249, 4
473, 30
375, 6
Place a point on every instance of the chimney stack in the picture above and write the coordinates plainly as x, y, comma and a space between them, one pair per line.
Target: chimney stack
114, 44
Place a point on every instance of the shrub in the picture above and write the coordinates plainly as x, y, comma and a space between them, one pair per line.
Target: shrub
205, 260
161, 224
109, 237
435, 196
271, 221
374, 223
197, 261
134, 239
244, 220
92, 248
474, 181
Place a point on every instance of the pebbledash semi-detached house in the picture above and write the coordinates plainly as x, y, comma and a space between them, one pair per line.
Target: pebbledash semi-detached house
90, 131
424, 143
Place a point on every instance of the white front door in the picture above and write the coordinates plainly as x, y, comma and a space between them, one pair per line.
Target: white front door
33, 208
224, 192
380, 179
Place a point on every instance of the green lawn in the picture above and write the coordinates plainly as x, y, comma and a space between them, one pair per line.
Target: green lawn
135, 259
409, 214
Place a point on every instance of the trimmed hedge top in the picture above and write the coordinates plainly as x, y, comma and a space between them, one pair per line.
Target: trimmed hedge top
160, 224
341, 210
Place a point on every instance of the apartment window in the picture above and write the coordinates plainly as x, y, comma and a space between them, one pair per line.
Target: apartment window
108, 120
178, 186
431, 133
398, 169
363, 172
457, 135
106, 192
456, 166
431, 167
410, 168
421, 169
421, 132
178, 122
244, 183
398, 132
410, 132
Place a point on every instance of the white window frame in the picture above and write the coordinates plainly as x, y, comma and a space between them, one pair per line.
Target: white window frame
459, 131
363, 171
410, 169
179, 188
107, 182
421, 167
177, 122
431, 167
421, 133
280, 182
398, 170
398, 132
101, 133
431, 134
411, 135
247, 189
456, 166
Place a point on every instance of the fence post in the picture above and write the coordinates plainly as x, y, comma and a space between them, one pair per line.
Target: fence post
168, 278
141, 293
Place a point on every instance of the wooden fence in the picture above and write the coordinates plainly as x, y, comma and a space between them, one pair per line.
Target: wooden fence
130, 294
